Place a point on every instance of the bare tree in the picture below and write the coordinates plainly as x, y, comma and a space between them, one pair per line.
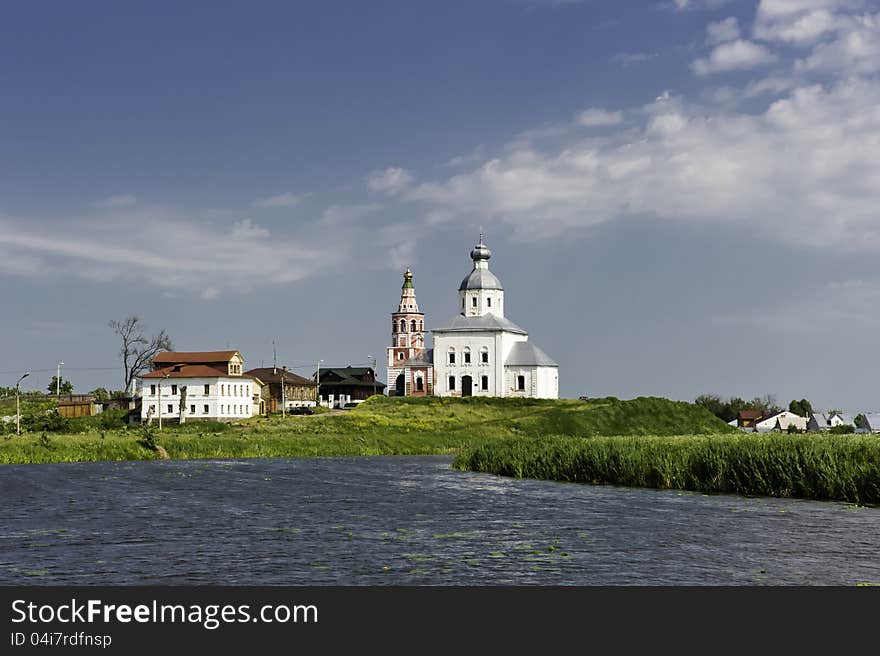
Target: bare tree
137, 350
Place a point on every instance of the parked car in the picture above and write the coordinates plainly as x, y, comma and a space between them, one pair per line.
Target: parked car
302, 410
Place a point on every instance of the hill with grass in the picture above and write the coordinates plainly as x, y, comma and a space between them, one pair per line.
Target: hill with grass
497, 417
379, 426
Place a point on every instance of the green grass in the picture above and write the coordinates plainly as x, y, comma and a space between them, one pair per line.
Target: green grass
843, 468
380, 426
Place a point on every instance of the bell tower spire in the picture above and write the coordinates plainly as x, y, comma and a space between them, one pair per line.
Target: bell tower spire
407, 328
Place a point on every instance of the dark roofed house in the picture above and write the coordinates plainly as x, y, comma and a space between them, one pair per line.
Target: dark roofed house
298, 391
341, 385
748, 418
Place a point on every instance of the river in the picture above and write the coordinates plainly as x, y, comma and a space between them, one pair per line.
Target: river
405, 520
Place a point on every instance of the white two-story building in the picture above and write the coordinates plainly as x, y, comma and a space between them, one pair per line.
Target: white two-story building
186, 386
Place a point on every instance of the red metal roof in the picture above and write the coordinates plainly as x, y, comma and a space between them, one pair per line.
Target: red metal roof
191, 371
193, 357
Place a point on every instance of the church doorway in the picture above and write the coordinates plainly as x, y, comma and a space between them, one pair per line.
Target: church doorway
399, 386
467, 386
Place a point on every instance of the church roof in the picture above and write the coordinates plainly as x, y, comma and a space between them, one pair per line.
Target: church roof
526, 354
480, 279
484, 322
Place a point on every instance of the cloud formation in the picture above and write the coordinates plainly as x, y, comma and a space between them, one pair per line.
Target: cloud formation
391, 181
162, 249
722, 31
595, 117
735, 55
799, 166
287, 199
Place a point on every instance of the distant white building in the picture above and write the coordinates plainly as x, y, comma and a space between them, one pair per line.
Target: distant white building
842, 419
481, 352
185, 386
781, 422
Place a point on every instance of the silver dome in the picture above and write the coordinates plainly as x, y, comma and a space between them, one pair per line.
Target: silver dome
480, 279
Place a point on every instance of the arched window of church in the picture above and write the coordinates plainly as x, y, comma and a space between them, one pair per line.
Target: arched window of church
452, 383
467, 355
451, 356
412, 325
484, 355
473, 301
484, 383
489, 301
402, 326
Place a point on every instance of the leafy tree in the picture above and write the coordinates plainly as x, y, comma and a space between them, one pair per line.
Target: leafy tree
714, 404
802, 408
861, 420
137, 350
66, 386
100, 394
842, 429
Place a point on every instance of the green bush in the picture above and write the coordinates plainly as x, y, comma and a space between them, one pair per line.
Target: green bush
45, 421
842, 429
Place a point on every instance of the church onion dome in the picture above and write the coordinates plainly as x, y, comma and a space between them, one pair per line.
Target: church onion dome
480, 279
407, 279
481, 251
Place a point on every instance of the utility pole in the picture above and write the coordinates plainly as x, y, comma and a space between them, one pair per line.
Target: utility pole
17, 404
318, 386
58, 381
283, 398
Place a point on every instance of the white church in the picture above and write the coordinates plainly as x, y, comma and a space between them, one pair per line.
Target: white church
479, 353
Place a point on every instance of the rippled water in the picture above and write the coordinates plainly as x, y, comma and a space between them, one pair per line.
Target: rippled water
405, 520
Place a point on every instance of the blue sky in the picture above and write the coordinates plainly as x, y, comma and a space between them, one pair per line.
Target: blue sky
681, 196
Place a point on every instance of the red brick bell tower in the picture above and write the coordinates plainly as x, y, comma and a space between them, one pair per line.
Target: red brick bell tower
407, 333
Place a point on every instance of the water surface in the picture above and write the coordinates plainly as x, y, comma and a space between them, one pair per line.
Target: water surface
405, 520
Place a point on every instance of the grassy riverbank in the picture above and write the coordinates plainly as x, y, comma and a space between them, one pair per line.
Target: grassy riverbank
381, 426
843, 467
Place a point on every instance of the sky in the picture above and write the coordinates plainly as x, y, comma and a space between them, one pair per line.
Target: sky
682, 197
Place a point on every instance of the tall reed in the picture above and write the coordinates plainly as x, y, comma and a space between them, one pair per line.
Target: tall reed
807, 466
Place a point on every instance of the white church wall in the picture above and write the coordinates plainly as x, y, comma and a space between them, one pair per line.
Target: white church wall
476, 369
548, 383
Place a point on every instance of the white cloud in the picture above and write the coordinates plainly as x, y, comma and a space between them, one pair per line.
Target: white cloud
736, 55
722, 31
804, 171
597, 117
739, 54
167, 250
246, 229
769, 85
391, 181
117, 201
854, 50
287, 199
